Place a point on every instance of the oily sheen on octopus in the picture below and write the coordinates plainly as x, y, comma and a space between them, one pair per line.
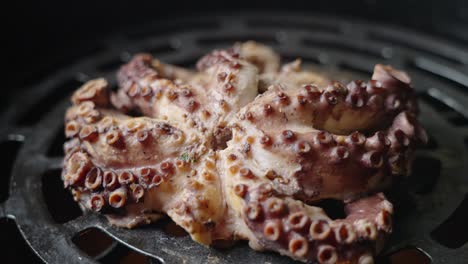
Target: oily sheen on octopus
242, 149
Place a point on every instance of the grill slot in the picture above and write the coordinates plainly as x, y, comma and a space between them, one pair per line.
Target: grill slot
59, 201
425, 174
408, 255
18, 251
443, 73
362, 70
94, 242
452, 232
8, 151
160, 49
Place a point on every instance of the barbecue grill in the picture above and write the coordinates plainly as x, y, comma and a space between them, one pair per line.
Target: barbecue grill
429, 204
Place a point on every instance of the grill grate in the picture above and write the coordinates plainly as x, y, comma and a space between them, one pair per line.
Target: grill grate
425, 204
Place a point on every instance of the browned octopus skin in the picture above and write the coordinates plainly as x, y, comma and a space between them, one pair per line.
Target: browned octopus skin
226, 163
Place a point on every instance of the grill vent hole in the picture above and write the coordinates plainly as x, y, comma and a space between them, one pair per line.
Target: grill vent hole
333, 208
410, 255
56, 148
44, 105
426, 171
94, 242
8, 152
59, 200
18, 251
453, 232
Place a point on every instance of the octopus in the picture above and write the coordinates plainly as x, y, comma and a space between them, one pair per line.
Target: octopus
245, 149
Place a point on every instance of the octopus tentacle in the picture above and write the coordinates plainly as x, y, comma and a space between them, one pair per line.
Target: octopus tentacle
212, 97
136, 168
293, 144
263, 57
275, 220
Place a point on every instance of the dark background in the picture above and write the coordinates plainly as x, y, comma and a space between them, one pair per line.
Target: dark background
43, 36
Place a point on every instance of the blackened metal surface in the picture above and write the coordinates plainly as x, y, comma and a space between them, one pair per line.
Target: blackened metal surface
439, 70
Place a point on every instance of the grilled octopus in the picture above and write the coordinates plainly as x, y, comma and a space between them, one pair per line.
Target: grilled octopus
242, 149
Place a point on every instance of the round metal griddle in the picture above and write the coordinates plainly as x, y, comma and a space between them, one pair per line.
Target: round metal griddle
425, 203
